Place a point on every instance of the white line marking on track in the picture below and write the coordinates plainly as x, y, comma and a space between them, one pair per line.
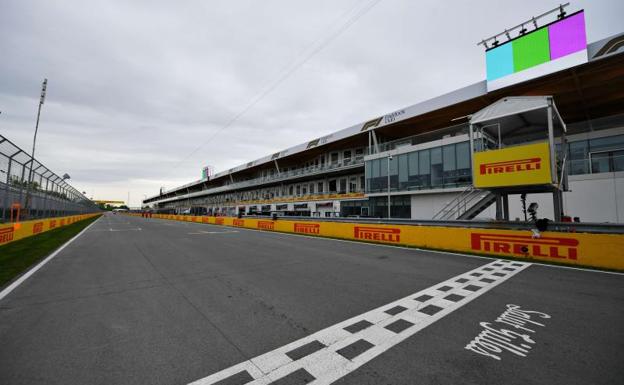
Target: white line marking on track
32, 271
215, 232
111, 229
344, 347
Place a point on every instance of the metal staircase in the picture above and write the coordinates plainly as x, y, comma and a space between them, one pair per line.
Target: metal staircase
467, 205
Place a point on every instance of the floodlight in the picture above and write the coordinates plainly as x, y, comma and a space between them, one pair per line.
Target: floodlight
522, 30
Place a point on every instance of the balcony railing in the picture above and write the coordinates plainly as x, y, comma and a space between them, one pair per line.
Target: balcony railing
278, 177
286, 199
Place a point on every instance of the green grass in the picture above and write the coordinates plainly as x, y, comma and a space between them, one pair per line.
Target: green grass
16, 257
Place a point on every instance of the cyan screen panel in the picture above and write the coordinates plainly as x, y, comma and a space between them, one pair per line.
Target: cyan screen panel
552, 42
499, 62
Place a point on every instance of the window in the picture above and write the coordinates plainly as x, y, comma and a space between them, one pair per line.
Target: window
463, 155
449, 166
332, 186
394, 172
374, 175
298, 190
311, 188
400, 207
608, 143
346, 155
362, 183
436, 167
352, 184
304, 190
579, 153
412, 172
618, 160
343, 186
600, 162
334, 157
424, 168
605, 154
403, 172
320, 187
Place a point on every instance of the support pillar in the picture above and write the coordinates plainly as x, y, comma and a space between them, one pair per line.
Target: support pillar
499, 207
505, 207
558, 204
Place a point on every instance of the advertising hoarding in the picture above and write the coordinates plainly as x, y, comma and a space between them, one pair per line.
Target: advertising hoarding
514, 166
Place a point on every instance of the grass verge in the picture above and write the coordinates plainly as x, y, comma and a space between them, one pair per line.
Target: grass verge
16, 257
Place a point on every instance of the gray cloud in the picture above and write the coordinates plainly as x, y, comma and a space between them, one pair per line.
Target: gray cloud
134, 87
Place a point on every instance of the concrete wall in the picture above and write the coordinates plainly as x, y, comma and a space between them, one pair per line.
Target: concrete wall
593, 198
425, 206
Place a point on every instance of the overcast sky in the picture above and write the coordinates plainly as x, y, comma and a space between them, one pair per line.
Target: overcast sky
135, 87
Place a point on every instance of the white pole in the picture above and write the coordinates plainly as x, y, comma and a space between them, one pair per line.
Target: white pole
389, 203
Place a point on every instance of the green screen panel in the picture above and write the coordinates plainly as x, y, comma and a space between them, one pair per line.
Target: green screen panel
531, 50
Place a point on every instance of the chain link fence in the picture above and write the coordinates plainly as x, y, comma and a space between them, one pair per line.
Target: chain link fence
29, 190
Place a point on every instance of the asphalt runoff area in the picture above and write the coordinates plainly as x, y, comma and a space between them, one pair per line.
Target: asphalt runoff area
149, 301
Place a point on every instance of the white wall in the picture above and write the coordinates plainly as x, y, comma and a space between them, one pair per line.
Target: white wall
425, 206
593, 198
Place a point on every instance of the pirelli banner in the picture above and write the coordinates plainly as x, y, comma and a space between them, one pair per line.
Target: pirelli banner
10, 232
514, 166
580, 249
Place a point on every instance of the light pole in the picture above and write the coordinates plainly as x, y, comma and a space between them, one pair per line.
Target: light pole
389, 204
32, 155
63, 179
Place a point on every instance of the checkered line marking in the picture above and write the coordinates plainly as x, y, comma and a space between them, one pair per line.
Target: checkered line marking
340, 349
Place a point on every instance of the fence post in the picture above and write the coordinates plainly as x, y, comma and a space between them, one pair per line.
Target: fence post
6, 189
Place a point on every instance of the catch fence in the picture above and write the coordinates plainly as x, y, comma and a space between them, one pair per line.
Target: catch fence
30, 190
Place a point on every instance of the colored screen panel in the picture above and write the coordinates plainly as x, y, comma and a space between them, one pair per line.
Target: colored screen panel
554, 47
499, 62
567, 36
531, 50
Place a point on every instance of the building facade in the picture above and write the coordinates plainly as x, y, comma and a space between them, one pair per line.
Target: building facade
418, 158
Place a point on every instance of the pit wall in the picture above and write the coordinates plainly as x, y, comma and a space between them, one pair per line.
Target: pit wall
11, 232
604, 251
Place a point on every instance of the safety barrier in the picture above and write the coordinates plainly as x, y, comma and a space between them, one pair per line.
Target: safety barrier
10, 232
579, 249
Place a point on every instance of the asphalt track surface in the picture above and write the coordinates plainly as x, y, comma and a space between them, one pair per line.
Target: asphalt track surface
177, 302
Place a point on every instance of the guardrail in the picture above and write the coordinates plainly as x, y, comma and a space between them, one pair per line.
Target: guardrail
575, 248
567, 227
11, 232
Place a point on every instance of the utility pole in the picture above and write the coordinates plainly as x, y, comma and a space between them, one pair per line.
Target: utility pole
32, 155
